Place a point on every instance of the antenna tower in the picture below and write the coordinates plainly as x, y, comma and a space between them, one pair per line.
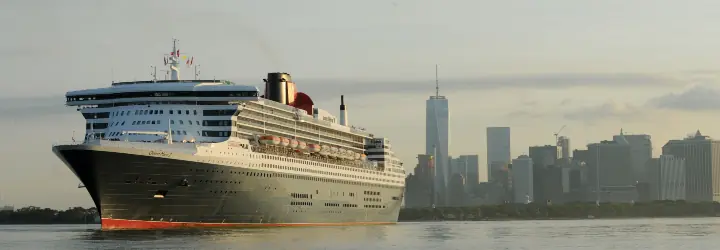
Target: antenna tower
437, 83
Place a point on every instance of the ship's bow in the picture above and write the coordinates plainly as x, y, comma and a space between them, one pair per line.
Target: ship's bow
81, 161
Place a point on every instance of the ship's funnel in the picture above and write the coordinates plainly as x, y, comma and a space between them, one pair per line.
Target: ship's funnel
279, 87
343, 112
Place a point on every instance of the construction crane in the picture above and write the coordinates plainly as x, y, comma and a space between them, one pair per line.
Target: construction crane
557, 133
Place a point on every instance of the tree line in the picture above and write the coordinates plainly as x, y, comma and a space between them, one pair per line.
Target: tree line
510, 211
578, 210
37, 215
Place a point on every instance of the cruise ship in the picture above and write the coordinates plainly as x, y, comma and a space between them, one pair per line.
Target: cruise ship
179, 153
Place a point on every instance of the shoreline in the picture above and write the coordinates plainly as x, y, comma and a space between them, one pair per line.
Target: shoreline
556, 219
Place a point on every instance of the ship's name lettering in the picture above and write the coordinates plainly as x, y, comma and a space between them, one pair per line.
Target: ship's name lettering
235, 144
159, 153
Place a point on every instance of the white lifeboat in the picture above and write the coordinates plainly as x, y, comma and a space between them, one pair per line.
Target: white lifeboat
356, 156
293, 143
284, 142
314, 148
333, 152
324, 150
302, 145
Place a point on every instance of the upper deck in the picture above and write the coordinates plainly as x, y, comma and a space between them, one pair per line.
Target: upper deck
168, 90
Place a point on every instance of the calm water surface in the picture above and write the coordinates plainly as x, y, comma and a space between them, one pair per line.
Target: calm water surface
685, 234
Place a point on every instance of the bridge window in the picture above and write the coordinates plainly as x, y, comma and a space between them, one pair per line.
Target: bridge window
214, 123
208, 133
99, 115
163, 94
96, 125
221, 112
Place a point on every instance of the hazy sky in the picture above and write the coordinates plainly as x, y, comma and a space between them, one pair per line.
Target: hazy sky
596, 66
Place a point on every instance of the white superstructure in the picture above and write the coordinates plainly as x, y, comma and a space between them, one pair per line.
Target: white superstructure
220, 122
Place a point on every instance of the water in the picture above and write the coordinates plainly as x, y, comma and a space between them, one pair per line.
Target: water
657, 234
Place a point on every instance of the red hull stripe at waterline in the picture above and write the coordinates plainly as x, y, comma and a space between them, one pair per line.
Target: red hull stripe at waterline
108, 223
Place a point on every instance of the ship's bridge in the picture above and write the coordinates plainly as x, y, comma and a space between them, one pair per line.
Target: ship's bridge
380, 150
196, 92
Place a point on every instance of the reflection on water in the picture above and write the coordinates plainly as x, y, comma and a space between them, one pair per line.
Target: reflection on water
439, 232
685, 234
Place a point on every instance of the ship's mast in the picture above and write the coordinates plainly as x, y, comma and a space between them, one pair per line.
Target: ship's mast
174, 62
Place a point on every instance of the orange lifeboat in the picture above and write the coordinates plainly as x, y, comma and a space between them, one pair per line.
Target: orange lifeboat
302, 145
293, 143
269, 140
284, 142
314, 148
363, 157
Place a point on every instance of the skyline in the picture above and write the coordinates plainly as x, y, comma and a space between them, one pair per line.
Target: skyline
534, 72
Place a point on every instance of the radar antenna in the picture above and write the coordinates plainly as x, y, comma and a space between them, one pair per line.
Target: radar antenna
153, 73
197, 72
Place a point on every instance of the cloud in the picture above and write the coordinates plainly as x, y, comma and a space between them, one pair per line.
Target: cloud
33, 107
697, 98
523, 114
609, 110
325, 88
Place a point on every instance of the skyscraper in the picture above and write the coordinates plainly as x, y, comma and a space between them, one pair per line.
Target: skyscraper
563, 145
469, 167
498, 147
641, 150
610, 174
419, 186
702, 166
437, 138
522, 176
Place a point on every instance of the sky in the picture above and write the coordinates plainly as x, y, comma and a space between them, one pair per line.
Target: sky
648, 67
